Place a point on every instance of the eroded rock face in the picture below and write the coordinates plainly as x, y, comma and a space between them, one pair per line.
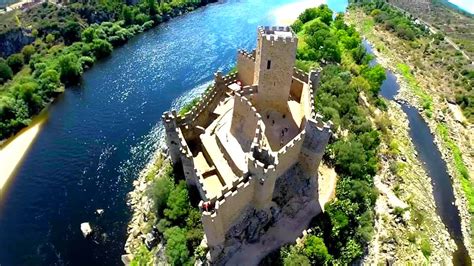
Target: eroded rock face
292, 192
13, 40
293, 184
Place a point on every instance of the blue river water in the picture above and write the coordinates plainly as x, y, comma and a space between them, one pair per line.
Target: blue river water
101, 134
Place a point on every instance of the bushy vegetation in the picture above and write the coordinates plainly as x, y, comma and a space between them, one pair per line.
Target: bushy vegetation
461, 171
392, 19
68, 42
343, 231
177, 221
189, 105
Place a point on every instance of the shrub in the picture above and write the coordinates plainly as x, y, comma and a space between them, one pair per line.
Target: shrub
160, 192
6, 72
143, 257
50, 38
425, 247
178, 202
28, 51
70, 68
88, 35
101, 48
87, 61
176, 249
188, 106
15, 61
316, 250
297, 26
49, 82
148, 25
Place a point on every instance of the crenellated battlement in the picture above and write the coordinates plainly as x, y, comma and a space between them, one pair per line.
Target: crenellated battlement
208, 97
248, 90
239, 97
245, 54
300, 74
277, 34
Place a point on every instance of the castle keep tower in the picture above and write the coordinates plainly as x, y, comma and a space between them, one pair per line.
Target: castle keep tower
252, 143
274, 63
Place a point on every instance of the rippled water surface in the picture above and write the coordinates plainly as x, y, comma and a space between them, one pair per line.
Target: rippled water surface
101, 134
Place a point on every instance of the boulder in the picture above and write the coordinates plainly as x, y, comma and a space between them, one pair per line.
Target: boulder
86, 229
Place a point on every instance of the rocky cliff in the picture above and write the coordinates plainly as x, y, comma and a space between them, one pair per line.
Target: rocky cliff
13, 40
258, 232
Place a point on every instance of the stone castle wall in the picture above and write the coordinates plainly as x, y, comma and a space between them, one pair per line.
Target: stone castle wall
244, 121
246, 67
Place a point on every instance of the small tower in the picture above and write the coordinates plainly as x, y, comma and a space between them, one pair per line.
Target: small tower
274, 63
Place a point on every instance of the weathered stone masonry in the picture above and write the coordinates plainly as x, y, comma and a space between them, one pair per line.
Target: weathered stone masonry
247, 131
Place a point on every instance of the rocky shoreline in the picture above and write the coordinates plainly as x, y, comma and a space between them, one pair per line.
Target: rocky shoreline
139, 229
405, 211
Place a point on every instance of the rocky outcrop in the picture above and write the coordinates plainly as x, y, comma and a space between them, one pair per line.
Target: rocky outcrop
13, 40
294, 205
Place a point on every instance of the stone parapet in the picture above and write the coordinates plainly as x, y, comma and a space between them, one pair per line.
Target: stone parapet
223, 211
268, 33
243, 53
248, 90
301, 75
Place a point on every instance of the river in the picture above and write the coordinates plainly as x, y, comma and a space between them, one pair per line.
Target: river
435, 166
101, 134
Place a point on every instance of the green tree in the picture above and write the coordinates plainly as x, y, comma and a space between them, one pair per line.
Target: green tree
178, 202
50, 38
141, 18
176, 249
359, 84
27, 51
70, 68
375, 76
293, 256
6, 72
15, 61
49, 82
127, 15
101, 48
297, 26
324, 13
71, 32
88, 35
351, 251
160, 192
152, 8
316, 250
308, 15
28, 93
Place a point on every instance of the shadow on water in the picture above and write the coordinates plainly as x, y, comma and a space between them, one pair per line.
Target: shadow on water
435, 166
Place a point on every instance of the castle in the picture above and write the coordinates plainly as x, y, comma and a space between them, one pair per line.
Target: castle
247, 131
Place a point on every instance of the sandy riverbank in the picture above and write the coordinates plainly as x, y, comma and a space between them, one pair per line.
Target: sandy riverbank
14, 150
286, 14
